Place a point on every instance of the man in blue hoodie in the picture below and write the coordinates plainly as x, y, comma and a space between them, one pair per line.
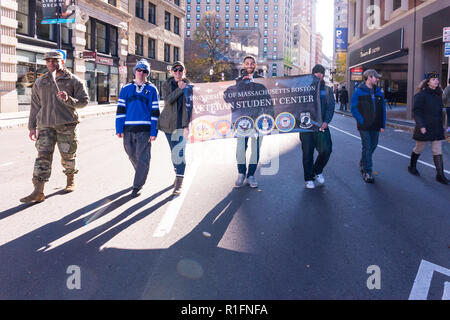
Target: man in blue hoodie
320, 140
369, 109
136, 119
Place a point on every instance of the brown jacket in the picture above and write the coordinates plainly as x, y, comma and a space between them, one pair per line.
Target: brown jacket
168, 118
47, 110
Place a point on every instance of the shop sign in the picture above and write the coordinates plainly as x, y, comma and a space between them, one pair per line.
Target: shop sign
356, 74
385, 46
103, 60
446, 34
123, 70
89, 54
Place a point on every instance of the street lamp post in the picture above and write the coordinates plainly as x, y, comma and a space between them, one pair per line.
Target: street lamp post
211, 72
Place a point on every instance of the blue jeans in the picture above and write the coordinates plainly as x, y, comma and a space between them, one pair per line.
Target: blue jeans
320, 141
177, 145
369, 140
241, 149
138, 147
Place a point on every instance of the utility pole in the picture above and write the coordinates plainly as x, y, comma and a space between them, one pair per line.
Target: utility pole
58, 24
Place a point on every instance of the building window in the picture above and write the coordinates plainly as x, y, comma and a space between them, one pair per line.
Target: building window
140, 9
100, 37
167, 20
396, 5
113, 34
167, 52
176, 54
112, 2
151, 13
88, 35
177, 2
139, 44
176, 25
151, 48
23, 16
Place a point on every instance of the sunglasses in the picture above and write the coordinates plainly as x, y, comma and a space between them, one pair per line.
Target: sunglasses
177, 69
141, 70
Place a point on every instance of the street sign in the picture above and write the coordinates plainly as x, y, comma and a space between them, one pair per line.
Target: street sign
446, 34
447, 49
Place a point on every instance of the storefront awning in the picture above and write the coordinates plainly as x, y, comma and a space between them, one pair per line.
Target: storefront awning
382, 49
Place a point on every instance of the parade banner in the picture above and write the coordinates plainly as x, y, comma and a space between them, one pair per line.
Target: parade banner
245, 108
58, 11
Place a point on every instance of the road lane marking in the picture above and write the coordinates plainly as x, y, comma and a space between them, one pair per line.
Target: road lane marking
173, 209
423, 279
6, 164
387, 149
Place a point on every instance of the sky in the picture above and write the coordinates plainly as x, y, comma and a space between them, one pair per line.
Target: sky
324, 24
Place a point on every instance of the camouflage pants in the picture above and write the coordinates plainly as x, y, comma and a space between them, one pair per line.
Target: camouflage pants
66, 137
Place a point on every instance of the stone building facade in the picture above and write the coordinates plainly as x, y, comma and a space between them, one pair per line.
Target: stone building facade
100, 46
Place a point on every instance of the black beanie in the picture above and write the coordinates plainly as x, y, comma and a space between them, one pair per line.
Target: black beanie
318, 68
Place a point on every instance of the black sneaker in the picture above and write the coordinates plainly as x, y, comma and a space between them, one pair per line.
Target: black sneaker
135, 193
367, 177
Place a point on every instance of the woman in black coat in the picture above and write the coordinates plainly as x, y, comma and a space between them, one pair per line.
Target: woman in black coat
427, 111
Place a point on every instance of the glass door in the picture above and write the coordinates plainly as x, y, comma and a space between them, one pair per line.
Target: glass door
102, 88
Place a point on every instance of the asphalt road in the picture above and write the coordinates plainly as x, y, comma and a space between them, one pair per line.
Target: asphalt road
279, 241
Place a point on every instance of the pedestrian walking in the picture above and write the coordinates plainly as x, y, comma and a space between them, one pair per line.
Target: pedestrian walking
369, 109
318, 140
446, 100
136, 122
175, 118
427, 111
246, 174
343, 98
53, 121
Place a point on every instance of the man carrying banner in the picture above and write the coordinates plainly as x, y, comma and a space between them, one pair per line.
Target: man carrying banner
136, 119
242, 142
53, 120
319, 140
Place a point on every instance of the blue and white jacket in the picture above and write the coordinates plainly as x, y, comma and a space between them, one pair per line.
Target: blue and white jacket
138, 108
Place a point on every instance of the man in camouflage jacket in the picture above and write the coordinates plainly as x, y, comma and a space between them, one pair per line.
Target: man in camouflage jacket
53, 120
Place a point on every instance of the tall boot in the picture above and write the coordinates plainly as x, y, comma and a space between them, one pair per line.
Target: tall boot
439, 163
412, 167
177, 186
70, 183
38, 193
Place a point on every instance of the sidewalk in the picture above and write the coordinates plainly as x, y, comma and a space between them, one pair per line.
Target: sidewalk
20, 119
395, 117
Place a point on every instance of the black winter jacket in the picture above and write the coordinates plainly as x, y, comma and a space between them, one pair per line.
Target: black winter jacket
368, 108
428, 114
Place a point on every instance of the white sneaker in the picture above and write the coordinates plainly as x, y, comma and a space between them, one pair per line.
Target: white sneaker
320, 178
310, 184
240, 180
252, 182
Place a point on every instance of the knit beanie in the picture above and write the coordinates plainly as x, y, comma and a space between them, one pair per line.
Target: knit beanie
142, 64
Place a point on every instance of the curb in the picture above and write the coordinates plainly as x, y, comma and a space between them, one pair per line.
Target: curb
389, 123
24, 123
